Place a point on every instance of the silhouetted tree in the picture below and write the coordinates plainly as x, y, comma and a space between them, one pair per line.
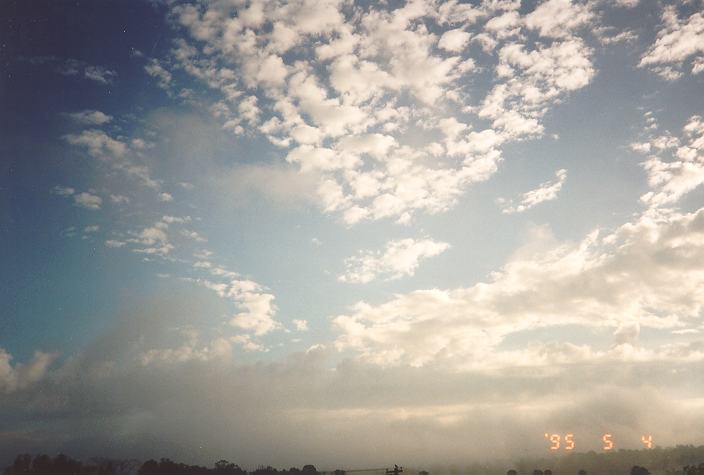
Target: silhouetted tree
582, 472
693, 469
223, 467
150, 467
512, 472
22, 464
268, 470
636, 470
45, 465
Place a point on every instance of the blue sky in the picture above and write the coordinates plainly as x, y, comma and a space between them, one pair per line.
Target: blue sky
429, 216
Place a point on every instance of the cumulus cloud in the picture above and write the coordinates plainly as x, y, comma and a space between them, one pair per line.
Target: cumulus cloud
119, 199
98, 144
454, 40
87, 200
21, 376
194, 235
257, 307
534, 78
63, 190
675, 165
90, 117
646, 271
545, 192
157, 71
99, 74
559, 18
114, 152
400, 258
150, 240
677, 41
95, 73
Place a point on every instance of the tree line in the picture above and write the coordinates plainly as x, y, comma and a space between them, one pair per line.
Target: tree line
680, 460
61, 464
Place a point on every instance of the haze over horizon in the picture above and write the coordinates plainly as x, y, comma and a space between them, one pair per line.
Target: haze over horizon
350, 233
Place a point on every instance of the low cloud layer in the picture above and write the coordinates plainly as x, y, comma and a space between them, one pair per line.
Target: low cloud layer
308, 409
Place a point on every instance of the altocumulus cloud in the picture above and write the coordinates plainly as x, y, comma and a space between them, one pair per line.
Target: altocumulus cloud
343, 123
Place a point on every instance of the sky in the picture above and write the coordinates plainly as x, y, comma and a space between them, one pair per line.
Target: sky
350, 233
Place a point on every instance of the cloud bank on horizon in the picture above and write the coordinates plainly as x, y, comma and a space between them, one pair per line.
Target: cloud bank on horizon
338, 231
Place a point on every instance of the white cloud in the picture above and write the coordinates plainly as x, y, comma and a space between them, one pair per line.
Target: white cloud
534, 79
257, 307
176, 219
677, 41
505, 25
675, 166
94, 228
112, 243
99, 74
119, 199
350, 124
98, 144
545, 192
246, 342
153, 235
255, 304
301, 325
154, 240
163, 76
271, 71
698, 65
20, 376
454, 40
627, 3
315, 159
195, 236
63, 190
399, 258
647, 272
139, 144
87, 200
164, 196
90, 117
559, 18
113, 152
375, 145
